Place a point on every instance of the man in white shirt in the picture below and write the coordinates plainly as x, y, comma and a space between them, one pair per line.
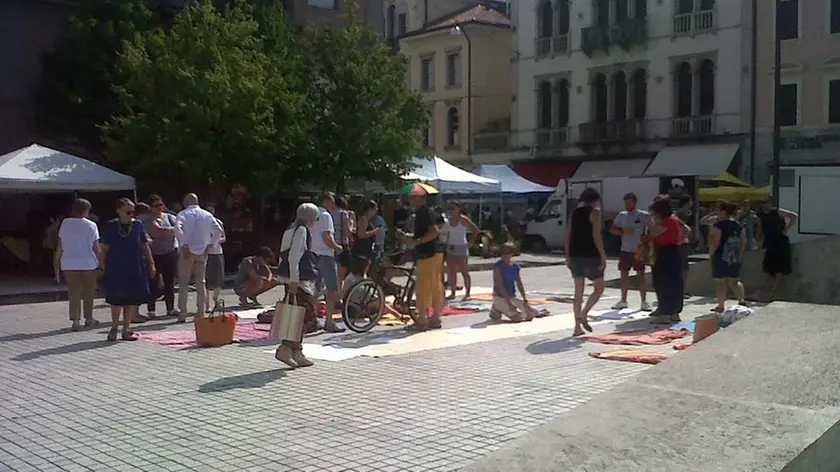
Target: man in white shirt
325, 249
197, 231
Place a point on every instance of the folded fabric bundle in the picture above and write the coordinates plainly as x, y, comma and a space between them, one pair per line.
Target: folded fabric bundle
651, 337
630, 355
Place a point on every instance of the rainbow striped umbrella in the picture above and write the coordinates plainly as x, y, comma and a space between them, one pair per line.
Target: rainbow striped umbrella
419, 188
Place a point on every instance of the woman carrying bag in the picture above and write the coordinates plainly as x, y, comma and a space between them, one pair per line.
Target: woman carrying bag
299, 271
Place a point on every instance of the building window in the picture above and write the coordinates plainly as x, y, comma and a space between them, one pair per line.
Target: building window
564, 18
619, 96
452, 127
834, 101
544, 105
788, 18
323, 4
427, 71
706, 85
789, 105
640, 94
427, 135
640, 11
390, 31
563, 103
602, 13
600, 98
834, 14
684, 90
402, 24
453, 69
621, 7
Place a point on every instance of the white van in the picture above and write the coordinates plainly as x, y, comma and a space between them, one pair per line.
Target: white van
548, 230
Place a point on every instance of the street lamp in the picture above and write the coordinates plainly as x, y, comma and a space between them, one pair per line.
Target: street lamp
458, 30
777, 123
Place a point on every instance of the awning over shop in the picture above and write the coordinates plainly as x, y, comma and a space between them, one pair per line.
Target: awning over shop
41, 169
547, 173
705, 161
595, 170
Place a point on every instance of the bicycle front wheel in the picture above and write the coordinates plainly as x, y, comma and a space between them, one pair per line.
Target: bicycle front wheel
363, 306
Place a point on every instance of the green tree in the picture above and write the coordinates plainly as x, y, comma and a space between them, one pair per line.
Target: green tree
205, 101
76, 94
363, 123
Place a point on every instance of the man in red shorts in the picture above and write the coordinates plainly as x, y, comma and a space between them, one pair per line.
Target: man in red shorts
631, 225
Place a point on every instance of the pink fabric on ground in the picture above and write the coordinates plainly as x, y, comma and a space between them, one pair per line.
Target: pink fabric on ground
186, 336
651, 337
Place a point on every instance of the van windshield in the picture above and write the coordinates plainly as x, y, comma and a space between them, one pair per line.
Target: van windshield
552, 209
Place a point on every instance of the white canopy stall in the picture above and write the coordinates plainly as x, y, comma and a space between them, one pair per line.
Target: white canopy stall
451, 179
511, 181
39, 169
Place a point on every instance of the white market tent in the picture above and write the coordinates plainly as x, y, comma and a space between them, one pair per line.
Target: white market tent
511, 181
451, 179
37, 168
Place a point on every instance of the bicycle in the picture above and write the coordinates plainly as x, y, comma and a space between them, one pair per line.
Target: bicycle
364, 304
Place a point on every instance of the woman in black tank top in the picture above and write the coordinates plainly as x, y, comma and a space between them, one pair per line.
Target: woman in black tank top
585, 255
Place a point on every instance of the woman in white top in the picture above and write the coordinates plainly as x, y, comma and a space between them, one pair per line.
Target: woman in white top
299, 271
458, 247
77, 255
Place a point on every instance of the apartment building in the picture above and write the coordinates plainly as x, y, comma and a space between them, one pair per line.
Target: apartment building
810, 88
612, 82
400, 17
455, 63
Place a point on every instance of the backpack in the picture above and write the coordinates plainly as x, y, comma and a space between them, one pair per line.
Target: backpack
730, 249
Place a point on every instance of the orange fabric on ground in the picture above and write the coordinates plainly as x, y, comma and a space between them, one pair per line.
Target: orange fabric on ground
652, 337
629, 355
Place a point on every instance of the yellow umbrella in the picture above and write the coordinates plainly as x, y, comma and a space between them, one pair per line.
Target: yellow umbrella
728, 178
734, 194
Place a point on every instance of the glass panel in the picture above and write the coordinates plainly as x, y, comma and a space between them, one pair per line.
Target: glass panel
834, 101
788, 17
788, 105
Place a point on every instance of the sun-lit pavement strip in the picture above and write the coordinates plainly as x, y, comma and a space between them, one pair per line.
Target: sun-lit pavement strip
74, 402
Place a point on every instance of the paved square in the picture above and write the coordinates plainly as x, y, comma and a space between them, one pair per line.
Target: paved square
72, 401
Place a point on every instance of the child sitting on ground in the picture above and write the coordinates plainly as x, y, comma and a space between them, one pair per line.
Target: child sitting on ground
358, 268
506, 280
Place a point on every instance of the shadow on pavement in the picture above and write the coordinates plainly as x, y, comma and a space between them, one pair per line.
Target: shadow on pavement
553, 346
69, 349
29, 336
252, 380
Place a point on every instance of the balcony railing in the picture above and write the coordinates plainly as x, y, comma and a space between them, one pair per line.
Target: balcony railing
628, 32
612, 131
593, 38
557, 44
693, 23
691, 126
551, 138
542, 46
491, 142
560, 44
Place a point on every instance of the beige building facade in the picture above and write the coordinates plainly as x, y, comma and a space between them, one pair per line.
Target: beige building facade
810, 90
461, 65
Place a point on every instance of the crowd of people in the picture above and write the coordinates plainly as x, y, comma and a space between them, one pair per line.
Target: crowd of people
661, 238
140, 255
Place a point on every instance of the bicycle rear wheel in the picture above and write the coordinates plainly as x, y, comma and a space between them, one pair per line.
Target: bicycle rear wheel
363, 306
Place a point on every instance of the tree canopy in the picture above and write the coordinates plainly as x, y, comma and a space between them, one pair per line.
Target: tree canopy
76, 93
234, 95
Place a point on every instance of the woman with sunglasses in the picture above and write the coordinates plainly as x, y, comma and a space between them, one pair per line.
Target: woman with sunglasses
129, 266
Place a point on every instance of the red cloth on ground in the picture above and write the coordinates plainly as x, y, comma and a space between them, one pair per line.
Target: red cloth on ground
640, 337
673, 232
627, 355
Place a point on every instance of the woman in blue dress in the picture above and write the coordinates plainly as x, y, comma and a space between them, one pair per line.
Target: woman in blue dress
129, 267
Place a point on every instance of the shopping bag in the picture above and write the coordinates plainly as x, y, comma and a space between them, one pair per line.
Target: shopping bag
646, 253
217, 328
287, 323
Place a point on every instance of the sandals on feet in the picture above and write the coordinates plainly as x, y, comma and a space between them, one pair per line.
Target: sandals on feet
434, 323
417, 327
129, 336
112, 335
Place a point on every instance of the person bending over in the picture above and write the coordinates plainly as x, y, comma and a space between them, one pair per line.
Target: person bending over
254, 276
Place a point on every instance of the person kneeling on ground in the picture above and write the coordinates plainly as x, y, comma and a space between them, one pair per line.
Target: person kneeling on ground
254, 276
506, 279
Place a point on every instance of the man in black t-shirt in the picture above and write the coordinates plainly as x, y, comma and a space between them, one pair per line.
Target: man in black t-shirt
428, 252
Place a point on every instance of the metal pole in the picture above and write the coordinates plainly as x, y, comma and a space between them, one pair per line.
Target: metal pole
777, 124
469, 95
753, 86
